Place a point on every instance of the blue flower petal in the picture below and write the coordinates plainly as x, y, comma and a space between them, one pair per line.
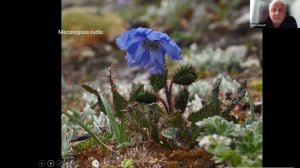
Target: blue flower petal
156, 35
164, 36
129, 59
155, 69
137, 56
133, 47
156, 62
123, 39
143, 31
172, 49
133, 40
132, 61
159, 56
146, 58
151, 62
121, 42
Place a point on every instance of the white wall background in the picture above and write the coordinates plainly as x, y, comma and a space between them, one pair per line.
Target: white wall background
295, 11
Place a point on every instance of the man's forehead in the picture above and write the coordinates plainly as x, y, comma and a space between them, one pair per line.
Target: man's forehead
277, 4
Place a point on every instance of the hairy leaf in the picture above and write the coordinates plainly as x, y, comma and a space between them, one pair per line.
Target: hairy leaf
185, 75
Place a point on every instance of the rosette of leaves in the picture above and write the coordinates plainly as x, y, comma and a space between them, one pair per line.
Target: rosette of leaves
217, 125
233, 144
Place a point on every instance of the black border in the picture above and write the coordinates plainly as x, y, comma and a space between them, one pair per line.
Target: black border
281, 51
33, 84
49, 111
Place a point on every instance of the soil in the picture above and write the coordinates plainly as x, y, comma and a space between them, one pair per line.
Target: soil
148, 156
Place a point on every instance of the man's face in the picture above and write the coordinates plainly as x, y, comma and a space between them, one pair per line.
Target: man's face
277, 12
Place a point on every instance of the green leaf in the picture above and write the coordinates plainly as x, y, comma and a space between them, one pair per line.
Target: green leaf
88, 130
76, 115
107, 136
185, 75
182, 99
216, 89
192, 134
100, 103
135, 91
158, 81
120, 104
213, 108
245, 148
210, 110
123, 133
90, 89
95, 92
231, 156
154, 114
219, 126
140, 119
177, 120
170, 133
112, 120
251, 143
241, 93
146, 98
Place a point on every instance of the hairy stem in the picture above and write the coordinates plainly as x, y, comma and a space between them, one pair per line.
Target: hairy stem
169, 100
170, 95
111, 82
164, 103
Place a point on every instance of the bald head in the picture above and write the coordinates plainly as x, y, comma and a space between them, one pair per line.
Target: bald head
277, 10
277, 2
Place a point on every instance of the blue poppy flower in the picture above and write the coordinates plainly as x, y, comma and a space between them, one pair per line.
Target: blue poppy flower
147, 48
